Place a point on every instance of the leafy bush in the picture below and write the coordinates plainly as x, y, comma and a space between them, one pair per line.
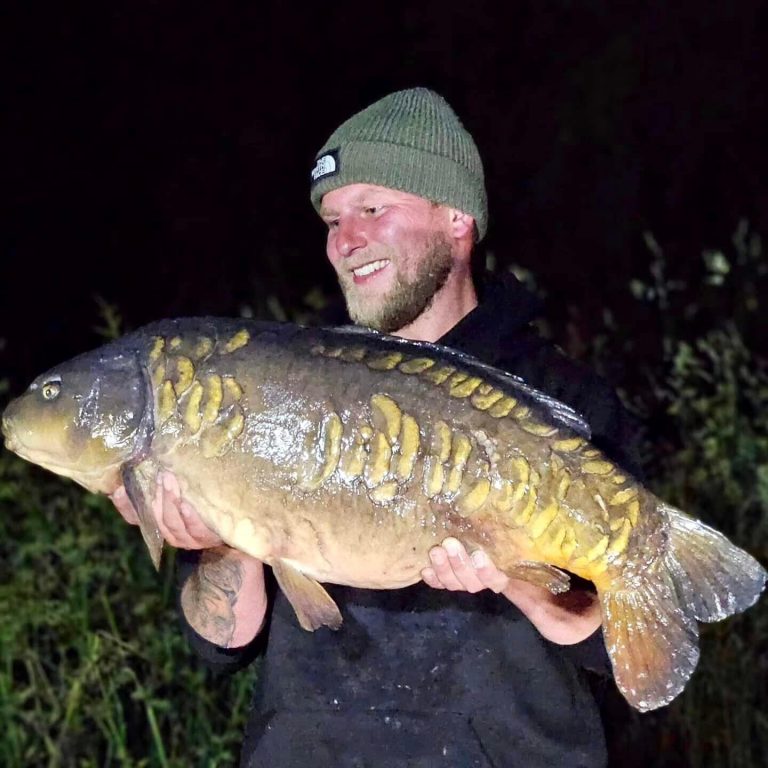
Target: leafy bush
717, 395
704, 402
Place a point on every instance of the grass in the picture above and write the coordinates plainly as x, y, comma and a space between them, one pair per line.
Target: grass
93, 668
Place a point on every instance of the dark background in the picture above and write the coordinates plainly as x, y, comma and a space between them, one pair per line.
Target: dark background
156, 156
157, 153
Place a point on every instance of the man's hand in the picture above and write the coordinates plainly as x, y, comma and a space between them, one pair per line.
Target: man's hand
564, 619
452, 568
224, 599
177, 520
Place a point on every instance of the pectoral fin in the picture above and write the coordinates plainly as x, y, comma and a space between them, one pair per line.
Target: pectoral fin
541, 574
141, 486
313, 605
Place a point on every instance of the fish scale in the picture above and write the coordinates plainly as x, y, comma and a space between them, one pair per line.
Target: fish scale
533, 511
204, 404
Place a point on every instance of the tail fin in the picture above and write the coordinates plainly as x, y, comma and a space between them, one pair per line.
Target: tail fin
713, 577
650, 627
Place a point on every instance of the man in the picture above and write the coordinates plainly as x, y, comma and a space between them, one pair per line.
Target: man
470, 668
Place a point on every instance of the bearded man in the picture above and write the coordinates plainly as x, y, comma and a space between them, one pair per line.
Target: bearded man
469, 668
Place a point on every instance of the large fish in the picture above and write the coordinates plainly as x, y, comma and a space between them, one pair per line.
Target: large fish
342, 456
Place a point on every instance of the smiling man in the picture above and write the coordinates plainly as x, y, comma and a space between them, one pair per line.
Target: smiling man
402, 261
470, 668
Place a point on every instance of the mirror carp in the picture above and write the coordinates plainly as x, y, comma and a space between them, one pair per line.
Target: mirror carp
343, 456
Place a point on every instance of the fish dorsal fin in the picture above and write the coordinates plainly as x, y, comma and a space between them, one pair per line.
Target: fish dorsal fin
508, 383
238, 331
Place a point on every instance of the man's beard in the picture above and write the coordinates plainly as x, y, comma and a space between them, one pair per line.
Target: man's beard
409, 297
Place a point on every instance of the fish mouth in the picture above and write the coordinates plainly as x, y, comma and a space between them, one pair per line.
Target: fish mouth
52, 462
9, 437
41, 457
35, 454
13, 441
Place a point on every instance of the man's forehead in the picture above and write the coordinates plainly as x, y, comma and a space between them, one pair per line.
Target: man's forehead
359, 194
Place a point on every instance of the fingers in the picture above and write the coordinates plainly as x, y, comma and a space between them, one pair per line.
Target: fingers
452, 568
124, 507
487, 573
198, 531
178, 520
167, 510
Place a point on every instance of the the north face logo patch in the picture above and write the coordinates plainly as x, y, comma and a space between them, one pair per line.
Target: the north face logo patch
326, 165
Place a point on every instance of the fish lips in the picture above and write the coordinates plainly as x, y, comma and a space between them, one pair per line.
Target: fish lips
12, 432
7, 428
24, 428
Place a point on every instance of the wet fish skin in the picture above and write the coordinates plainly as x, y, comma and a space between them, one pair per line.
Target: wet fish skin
83, 418
343, 456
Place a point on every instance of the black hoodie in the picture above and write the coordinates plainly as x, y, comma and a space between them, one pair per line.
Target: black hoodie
423, 677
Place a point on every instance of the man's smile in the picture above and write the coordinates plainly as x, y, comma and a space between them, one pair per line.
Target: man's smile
370, 270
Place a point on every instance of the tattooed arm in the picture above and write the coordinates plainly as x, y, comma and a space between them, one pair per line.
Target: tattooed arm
224, 599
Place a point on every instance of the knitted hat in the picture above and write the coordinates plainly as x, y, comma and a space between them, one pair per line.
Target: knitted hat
411, 141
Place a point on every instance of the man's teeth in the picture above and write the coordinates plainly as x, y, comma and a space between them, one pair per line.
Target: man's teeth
368, 269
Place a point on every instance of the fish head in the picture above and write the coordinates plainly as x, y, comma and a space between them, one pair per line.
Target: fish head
83, 419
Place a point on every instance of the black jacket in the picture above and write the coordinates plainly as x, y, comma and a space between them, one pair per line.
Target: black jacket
423, 677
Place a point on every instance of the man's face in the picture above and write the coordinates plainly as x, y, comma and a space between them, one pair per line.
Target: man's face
391, 251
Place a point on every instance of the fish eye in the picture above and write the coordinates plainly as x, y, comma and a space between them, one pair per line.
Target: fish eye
50, 390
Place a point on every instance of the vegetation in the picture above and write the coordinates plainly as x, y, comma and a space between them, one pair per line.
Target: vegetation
702, 395
94, 670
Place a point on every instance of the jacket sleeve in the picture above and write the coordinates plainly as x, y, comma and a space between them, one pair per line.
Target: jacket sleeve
218, 659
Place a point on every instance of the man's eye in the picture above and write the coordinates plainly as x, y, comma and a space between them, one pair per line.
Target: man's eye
332, 223
372, 210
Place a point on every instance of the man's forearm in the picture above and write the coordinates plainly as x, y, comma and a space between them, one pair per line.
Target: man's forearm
564, 619
224, 599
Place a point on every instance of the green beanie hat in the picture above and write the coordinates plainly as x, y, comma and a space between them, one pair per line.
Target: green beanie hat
411, 141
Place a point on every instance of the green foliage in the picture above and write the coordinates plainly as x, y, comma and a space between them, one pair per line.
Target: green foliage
94, 670
717, 397
110, 317
704, 402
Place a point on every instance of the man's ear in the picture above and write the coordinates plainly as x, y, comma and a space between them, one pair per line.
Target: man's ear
462, 224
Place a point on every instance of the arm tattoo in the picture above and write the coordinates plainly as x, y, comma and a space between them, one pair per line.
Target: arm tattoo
209, 595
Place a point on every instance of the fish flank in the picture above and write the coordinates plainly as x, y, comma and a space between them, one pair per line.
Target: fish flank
185, 375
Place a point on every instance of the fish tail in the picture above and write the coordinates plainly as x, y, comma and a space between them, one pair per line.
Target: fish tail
714, 578
649, 619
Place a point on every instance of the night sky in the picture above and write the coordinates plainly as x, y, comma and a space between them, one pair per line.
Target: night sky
157, 153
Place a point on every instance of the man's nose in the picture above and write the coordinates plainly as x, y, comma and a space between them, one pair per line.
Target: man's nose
349, 237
